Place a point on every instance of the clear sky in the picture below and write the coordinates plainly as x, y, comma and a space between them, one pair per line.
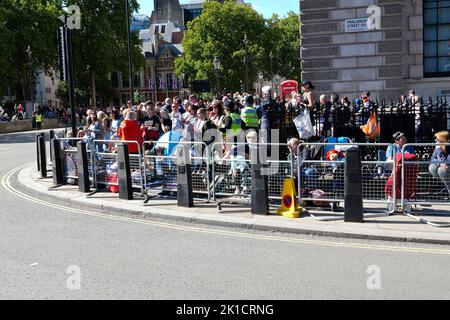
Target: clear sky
266, 7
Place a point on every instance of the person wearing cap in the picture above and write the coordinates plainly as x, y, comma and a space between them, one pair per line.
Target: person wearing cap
399, 142
248, 114
232, 122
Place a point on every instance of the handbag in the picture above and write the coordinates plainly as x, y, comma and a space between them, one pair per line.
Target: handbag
304, 126
372, 129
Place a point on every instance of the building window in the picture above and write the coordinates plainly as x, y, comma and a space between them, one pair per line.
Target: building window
436, 18
163, 28
156, 29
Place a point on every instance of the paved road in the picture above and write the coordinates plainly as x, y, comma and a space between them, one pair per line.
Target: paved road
44, 248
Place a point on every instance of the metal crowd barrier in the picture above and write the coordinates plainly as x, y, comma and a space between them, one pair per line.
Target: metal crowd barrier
69, 159
105, 166
160, 178
231, 169
425, 181
321, 182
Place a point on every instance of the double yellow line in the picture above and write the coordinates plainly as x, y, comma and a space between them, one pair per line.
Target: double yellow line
6, 183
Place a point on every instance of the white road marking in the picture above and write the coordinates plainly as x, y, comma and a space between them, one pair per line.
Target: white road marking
6, 183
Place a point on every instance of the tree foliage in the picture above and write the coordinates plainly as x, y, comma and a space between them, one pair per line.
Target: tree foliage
220, 31
101, 47
27, 24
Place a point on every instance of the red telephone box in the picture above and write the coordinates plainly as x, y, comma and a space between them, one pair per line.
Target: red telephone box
287, 87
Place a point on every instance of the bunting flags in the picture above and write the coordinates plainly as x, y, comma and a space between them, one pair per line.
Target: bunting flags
162, 84
151, 84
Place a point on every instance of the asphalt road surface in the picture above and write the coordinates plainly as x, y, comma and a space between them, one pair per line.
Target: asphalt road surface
50, 253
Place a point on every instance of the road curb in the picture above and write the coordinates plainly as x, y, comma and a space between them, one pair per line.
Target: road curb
251, 223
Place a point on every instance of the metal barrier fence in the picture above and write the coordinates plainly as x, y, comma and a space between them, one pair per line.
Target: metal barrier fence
425, 174
418, 120
161, 167
69, 159
105, 166
321, 174
425, 179
231, 168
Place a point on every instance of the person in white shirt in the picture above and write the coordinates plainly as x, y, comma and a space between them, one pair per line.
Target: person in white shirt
175, 116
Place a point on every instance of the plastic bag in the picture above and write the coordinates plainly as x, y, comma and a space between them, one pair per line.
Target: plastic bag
371, 129
304, 126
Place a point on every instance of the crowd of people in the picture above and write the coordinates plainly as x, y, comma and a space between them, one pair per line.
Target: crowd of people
248, 116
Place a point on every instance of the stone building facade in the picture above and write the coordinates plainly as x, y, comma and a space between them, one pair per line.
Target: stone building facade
410, 49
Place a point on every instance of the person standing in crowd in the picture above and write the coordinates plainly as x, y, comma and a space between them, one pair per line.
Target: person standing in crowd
130, 131
342, 117
188, 120
166, 122
217, 113
116, 121
39, 118
231, 126
199, 124
440, 160
325, 112
248, 114
175, 116
151, 128
263, 113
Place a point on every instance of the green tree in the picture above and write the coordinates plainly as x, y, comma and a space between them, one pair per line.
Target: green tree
27, 24
100, 47
62, 93
283, 39
219, 32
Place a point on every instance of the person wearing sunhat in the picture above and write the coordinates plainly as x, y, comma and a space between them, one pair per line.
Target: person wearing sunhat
399, 142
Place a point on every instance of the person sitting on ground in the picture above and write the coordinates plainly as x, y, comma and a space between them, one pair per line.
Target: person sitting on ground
399, 142
440, 160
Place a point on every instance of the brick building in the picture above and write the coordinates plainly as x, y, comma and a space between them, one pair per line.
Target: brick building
410, 48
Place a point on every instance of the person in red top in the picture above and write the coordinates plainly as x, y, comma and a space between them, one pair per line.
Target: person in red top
131, 131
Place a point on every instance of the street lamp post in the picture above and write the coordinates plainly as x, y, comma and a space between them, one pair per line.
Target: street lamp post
261, 78
130, 61
245, 62
31, 79
67, 36
216, 64
271, 66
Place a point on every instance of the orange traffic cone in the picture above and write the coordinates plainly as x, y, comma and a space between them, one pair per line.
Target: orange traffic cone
289, 204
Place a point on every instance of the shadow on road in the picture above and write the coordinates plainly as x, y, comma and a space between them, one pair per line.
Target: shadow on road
25, 137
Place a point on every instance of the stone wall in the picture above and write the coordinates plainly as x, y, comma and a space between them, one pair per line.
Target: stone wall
26, 125
351, 62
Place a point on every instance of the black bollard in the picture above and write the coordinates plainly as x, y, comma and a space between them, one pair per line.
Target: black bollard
125, 186
42, 156
52, 136
82, 168
185, 196
260, 197
38, 155
353, 186
57, 165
